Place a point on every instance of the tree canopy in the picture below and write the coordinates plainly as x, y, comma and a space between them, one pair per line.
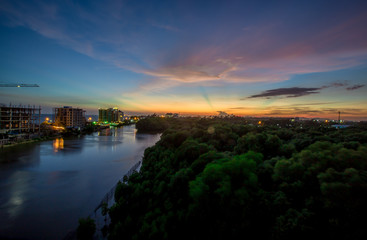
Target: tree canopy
231, 179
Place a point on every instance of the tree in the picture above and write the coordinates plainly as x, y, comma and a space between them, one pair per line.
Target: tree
86, 228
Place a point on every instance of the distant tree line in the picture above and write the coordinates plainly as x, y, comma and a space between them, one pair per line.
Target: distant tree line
232, 179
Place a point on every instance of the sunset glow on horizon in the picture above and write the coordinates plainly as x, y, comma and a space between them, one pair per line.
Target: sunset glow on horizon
270, 59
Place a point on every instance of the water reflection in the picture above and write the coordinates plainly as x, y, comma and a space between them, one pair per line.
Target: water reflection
58, 144
46, 187
18, 191
111, 131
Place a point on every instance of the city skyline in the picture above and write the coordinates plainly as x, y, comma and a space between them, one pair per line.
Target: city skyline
276, 59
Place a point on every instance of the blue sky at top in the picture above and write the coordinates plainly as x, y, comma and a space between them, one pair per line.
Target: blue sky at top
187, 56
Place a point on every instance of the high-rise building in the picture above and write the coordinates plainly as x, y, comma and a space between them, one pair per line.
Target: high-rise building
109, 115
121, 116
19, 118
70, 117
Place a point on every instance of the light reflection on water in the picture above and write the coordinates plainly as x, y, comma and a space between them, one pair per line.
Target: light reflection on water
46, 187
58, 144
17, 194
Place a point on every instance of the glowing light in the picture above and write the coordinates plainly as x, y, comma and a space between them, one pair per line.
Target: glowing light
58, 128
259, 122
58, 144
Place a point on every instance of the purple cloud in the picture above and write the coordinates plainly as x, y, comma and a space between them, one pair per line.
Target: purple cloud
354, 87
287, 92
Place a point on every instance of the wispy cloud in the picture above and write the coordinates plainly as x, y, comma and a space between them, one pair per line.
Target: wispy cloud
335, 84
170, 47
166, 27
312, 104
287, 92
266, 56
237, 108
355, 87
293, 92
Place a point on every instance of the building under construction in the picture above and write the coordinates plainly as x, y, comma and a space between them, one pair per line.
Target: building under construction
19, 119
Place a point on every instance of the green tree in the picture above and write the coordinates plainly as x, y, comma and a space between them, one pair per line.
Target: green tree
86, 228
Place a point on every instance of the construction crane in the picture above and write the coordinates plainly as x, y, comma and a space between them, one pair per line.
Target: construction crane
17, 85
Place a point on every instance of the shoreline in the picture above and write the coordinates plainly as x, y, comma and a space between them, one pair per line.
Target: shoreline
36, 140
101, 220
63, 135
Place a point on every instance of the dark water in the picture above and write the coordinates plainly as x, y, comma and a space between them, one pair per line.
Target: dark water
46, 187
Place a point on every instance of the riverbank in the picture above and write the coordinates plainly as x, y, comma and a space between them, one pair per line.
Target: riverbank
100, 219
17, 143
46, 135
103, 220
9, 143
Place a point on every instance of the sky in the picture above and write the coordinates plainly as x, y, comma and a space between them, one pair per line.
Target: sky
247, 58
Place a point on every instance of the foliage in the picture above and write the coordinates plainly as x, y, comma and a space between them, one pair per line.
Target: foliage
86, 228
232, 178
153, 124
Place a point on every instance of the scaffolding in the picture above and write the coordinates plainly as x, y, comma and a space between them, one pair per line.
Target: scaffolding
20, 119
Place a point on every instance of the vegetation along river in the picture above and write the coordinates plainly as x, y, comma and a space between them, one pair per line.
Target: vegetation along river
46, 187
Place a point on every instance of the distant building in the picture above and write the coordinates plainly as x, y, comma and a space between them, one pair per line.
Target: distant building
70, 117
110, 115
19, 118
222, 114
121, 116
340, 126
171, 115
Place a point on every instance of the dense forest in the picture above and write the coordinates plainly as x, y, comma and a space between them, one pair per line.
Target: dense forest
234, 178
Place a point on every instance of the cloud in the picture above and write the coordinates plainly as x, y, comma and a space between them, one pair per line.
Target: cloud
166, 27
288, 92
183, 74
300, 91
116, 34
310, 104
335, 84
238, 108
354, 87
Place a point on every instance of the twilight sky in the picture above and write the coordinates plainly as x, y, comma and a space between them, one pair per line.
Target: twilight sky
250, 58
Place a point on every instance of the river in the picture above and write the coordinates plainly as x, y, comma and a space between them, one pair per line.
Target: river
46, 187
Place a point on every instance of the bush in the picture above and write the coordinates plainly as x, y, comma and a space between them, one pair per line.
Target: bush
86, 228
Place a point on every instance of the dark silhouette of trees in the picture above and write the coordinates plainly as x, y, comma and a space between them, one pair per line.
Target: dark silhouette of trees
86, 228
232, 178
